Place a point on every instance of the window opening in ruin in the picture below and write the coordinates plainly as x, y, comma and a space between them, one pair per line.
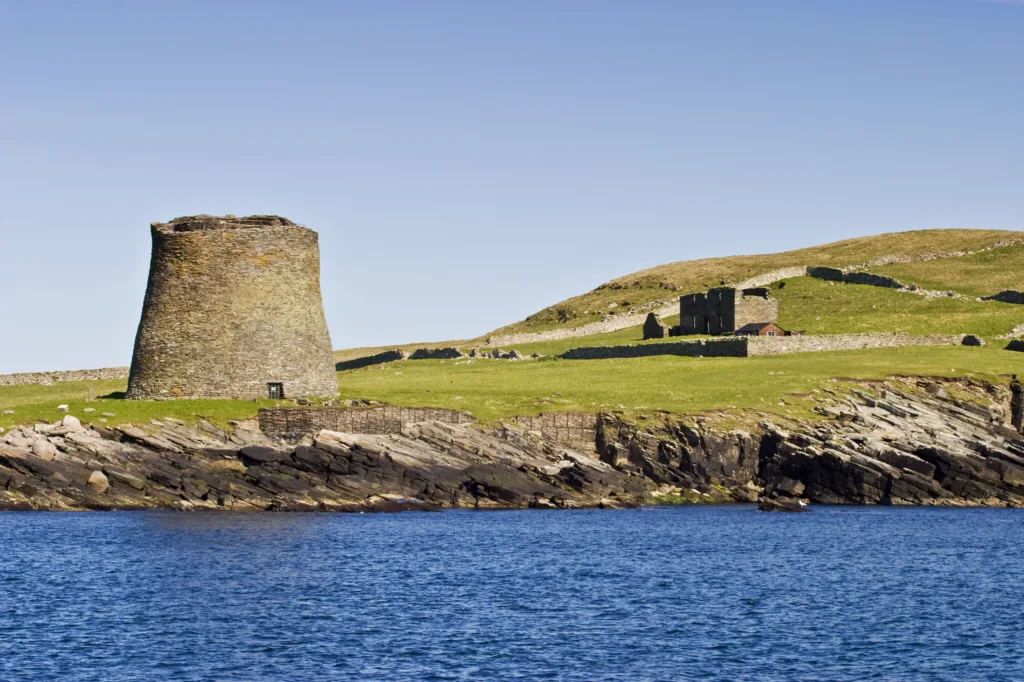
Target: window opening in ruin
770, 334
276, 391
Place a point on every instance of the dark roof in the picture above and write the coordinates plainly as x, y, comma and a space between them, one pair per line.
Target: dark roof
756, 326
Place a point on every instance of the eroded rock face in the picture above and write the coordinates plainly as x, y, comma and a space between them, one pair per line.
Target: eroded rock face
429, 466
902, 442
901, 445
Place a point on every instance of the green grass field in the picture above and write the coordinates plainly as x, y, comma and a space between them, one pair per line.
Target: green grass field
33, 403
821, 307
493, 389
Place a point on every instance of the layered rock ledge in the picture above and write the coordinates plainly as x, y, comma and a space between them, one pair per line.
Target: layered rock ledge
901, 442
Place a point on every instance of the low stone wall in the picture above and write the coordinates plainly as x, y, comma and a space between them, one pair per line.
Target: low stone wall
870, 279
777, 345
565, 427
726, 347
613, 323
47, 378
436, 354
747, 346
1008, 296
366, 361
296, 422
873, 280
772, 277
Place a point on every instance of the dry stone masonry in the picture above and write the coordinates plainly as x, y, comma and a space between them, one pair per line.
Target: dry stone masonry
295, 422
48, 378
233, 310
437, 354
837, 275
748, 346
1007, 296
654, 328
376, 359
723, 310
576, 428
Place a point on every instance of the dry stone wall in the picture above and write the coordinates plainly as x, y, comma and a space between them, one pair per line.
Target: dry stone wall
564, 427
611, 324
729, 347
776, 345
366, 361
746, 346
773, 277
47, 378
295, 422
1007, 296
870, 279
436, 354
232, 305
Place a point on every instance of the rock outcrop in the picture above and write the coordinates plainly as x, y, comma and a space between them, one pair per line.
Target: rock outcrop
900, 442
909, 443
429, 466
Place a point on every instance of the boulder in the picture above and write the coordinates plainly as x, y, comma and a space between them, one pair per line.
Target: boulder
782, 504
44, 449
98, 482
71, 421
122, 476
254, 455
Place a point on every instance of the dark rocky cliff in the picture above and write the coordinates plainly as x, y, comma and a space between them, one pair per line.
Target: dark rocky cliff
899, 442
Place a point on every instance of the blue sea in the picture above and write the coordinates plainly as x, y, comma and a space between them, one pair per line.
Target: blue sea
686, 593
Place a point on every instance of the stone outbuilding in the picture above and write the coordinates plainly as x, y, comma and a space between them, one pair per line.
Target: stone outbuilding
654, 328
233, 310
761, 329
723, 310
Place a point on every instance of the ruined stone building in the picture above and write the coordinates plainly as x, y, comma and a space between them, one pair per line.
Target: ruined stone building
233, 310
654, 328
723, 310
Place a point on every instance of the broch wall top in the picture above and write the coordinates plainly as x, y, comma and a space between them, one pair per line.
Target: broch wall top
232, 305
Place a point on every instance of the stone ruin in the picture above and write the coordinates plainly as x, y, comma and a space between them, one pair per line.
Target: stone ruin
723, 310
233, 310
654, 328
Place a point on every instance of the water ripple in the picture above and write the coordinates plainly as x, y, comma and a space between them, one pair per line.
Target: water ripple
651, 594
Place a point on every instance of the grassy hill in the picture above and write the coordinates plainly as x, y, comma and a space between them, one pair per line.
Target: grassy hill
665, 282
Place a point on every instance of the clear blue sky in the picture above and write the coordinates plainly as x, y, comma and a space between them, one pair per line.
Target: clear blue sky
468, 163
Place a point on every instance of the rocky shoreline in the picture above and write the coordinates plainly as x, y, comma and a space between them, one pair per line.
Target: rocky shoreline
901, 442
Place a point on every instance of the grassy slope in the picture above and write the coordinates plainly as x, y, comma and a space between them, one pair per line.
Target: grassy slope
492, 389
666, 281
824, 308
980, 274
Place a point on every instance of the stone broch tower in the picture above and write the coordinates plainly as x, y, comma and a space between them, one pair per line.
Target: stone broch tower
233, 310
